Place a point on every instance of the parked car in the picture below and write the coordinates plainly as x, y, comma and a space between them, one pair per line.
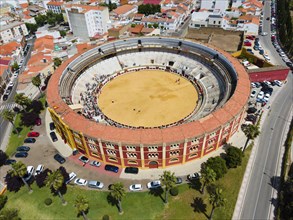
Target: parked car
251, 118
80, 182
84, 159
52, 126
266, 97
193, 176
267, 57
251, 110
33, 134
257, 84
30, 140
248, 44
253, 94
9, 162
260, 95
95, 184
135, 187
253, 85
264, 34
23, 148
95, 163
154, 184
111, 168
133, 170
39, 169
53, 136
178, 180
5, 97
59, 158
38, 121
21, 154
72, 175
29, 173
278, 83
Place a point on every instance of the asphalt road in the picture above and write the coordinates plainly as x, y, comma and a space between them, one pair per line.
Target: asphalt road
264, 179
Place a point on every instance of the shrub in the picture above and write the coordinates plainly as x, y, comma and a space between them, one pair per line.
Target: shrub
3, 200
233, 157
48, 201
174, 191
218, 165
106, 217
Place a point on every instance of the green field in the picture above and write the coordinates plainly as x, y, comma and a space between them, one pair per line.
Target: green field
189, 204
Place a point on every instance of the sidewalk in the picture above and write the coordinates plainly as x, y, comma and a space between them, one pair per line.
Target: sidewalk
5, 141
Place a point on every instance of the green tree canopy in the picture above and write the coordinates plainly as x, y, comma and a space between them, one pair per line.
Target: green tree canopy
55, 181
233, 157
9, 214
57, 61
168, 180
82, 205
216, 200
19, 170
149, 9
208, 176
62, 33
9, 116
251, 132
32, 28
118, 192
36, 81
22, 100
217, 164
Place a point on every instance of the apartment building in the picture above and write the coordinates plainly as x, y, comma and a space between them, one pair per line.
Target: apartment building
12, 31
86, 21
220, 5
55, 7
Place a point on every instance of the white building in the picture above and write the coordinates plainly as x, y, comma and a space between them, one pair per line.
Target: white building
199, 19
212, 5
55, 7
12, 31
86, 21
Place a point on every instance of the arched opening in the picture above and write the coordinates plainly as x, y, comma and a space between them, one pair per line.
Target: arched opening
153, 164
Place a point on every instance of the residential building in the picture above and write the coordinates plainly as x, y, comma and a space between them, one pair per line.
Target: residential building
199, 19
13, 50
55, 7
12, 31
221, 5
122, 12
86, 21
215, 20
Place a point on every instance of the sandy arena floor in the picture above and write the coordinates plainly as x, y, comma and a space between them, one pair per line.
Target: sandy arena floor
148, 98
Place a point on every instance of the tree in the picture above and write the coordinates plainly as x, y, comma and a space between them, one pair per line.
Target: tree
3, 158
32, 28
55, 181
9, 116
208, 176
57, 61
51, 20
36, 81
155, 25
118, 192
19, 170
13, 183
64, 173
216, 200
41, 20
62, 33
36, 106
82, 205
233, 157
251, 132
217, 164
15, 66
22, 100
28, 118
59, 18
9, 214
168, 180
3, 200
41, 177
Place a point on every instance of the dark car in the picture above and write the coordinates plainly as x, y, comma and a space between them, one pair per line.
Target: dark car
251, 118
21, 154
133, 170
52, 126
59, 158
38, 122
112, 168
251, 110
53, 136
23, 148
5, 97
30, 140
9, 161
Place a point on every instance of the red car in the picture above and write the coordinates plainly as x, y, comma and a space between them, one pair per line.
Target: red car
247, 44
38, 122
33, 134
250, 37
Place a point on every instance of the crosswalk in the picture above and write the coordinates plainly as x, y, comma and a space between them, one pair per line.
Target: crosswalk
8, 106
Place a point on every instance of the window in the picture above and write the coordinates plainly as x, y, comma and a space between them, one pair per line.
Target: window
212, 134
93, 147
195, 141
174, 153
153, 155
174, 146
193, 148
131, 155
173, 160
153, 148
113, 159
111, 152
132, 162
193, 155
130, 148
214, 22
109, 145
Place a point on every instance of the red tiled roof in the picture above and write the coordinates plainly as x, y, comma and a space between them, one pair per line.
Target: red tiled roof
153, 2
4, 62
123, 9
7, 49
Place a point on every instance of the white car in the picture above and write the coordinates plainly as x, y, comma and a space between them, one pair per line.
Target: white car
80, 182
135, 187
282, 54
264, 34
95, 163
30, 171
267, 83
39, 169
253, 94
72, 175
278, 83
266, 57
95, 184
266, 97
253, 85
154, 184
260, 95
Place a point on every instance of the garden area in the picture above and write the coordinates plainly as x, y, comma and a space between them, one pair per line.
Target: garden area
190, 203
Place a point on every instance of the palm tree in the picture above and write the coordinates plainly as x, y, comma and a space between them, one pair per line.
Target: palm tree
208, 176
216, 199
19, 169
55, 180
251, 132
22, 100
36, 81
9, 116
82, 205
168, 180
118, 192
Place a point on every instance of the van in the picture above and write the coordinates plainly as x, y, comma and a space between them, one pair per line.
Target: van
39, 169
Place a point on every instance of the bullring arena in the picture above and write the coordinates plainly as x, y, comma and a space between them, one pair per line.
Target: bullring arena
148, 102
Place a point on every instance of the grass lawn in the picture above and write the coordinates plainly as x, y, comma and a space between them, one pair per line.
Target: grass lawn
15, 140
189, 204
